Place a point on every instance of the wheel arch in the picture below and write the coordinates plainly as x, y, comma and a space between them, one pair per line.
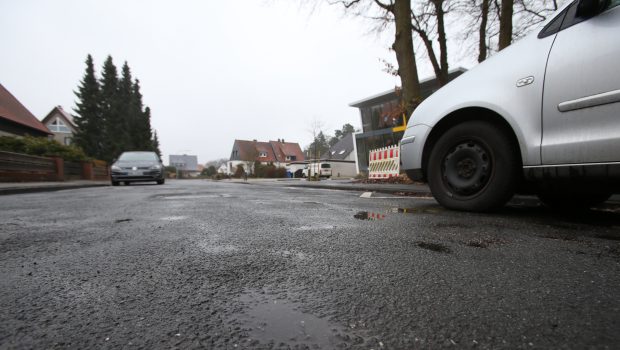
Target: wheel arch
465, 115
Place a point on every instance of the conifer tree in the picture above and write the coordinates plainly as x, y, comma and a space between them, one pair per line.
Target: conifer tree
89, 119
111, 117
155, 142
114, 128
142, 127
127, 114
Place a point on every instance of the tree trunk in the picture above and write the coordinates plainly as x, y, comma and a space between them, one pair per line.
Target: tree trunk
443, 46
405, 56
482, 43
505, 24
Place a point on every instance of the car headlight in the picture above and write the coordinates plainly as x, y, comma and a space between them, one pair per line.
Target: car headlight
116, 168
156, 167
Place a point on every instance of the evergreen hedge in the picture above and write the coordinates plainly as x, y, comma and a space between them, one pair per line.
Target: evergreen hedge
43, 147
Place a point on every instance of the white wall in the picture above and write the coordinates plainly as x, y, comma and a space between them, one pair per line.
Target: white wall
345, 169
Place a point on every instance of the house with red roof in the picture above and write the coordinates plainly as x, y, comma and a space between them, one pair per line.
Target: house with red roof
279, 153
61, 124
16, 119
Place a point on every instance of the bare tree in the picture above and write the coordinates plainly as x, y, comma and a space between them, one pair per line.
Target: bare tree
398, 12
315, 128
429, 23
498, 23
482, 31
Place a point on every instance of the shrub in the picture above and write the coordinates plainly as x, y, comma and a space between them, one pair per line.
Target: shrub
43, 147
239, 171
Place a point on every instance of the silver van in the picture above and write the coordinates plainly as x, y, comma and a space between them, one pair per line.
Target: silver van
542, 116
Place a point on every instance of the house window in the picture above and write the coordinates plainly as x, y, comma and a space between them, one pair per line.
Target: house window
291, 158
68, 141
58, 126
262, 154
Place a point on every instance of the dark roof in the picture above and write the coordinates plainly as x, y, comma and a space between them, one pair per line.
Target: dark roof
341, 149
427, 87
60, 111
12, 110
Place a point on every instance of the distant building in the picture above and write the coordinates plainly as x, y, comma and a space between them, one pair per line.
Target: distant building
341, 157
382, 124
186, 165
223, 169
61, 124
279, 153
16, 120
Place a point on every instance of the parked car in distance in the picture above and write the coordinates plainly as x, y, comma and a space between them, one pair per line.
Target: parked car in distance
137, 167
321, 168
542, 116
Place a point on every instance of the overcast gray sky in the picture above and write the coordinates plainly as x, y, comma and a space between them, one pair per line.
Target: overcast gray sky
211, 71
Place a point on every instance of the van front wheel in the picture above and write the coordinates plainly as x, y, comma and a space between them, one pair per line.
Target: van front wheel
473, 167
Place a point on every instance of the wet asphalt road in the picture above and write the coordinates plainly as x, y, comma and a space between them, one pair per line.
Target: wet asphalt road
198, 264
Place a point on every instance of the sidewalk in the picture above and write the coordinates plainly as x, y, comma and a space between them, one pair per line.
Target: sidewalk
30, 187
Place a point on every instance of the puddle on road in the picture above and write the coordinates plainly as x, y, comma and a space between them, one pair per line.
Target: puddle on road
314, 227
173, 218
188, 196
373, 216
269, 320
214, 248
364, 215
417, 210
293, 254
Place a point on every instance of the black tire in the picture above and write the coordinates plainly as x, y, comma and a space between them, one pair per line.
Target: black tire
115, 183
126, 183
473, 167
565, 200
161, 182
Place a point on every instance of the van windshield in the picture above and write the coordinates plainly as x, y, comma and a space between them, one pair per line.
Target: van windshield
325, 166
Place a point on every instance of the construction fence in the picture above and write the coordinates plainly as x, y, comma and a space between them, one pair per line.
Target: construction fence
384, 163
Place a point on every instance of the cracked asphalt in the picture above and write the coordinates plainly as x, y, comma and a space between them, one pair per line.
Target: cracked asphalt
217, 265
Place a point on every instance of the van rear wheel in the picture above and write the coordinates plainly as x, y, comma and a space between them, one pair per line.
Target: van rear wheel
473, 167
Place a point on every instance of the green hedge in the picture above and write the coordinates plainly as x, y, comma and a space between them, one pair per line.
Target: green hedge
41, 146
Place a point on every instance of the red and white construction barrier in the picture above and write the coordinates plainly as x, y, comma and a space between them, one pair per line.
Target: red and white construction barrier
384, 163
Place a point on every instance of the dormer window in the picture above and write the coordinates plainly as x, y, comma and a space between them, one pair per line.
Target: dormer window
262, 154
58, 126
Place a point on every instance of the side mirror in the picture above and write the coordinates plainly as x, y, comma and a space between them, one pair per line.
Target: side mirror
590, 8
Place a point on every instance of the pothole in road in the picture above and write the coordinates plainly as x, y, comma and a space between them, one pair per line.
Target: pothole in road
435, 247
269, 320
